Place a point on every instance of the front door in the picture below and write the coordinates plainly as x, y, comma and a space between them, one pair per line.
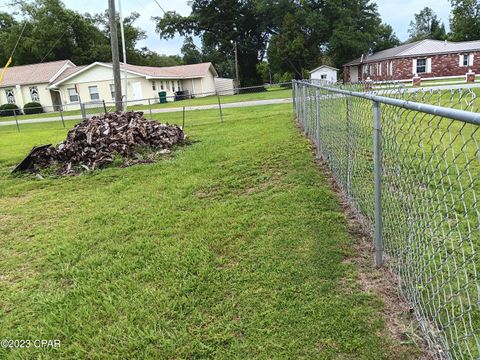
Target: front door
56, 100
137, 90
353, 74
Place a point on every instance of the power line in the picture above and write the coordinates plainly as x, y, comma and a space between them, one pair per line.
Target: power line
18, 40
160, 6
60, 38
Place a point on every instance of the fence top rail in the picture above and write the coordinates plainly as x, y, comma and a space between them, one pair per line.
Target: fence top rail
460, 115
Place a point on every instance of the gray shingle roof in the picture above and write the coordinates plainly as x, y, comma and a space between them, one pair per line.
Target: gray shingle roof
419, 48
33, 73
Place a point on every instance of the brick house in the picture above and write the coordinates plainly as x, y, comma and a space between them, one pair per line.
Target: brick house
427, 58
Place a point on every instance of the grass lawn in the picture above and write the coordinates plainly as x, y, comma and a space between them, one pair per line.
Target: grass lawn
271, 93
233, 248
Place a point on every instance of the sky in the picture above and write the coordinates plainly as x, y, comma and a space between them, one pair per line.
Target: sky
397, 13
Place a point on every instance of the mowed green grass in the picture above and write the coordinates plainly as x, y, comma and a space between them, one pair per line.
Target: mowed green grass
235, 247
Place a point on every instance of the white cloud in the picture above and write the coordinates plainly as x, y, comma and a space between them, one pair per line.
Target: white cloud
399, 13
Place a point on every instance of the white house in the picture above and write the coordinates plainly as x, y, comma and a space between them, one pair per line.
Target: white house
324, 72
61, 83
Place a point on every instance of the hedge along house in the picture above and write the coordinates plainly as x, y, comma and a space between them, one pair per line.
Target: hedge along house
31, 83
426, 58
94, 82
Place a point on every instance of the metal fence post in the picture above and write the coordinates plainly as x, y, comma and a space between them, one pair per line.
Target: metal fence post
377, 158
61, 116
82, 110
104, 106
304, 109
294, 96
150, 109
349, 147
317, 121
183, 120
220, 107
16, 119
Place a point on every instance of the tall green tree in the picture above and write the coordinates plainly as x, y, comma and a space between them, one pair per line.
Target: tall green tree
297, 46
191, 54
386, 38
220, 23
53, 32
426, 26
465, 20
330, 32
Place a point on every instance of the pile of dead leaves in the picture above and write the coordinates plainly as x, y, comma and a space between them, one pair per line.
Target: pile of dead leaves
99, 141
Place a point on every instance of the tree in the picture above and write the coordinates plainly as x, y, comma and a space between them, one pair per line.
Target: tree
386, 38
249, 23
465, 20
355, 29
297, 45
426, 26
53, 32
190, 52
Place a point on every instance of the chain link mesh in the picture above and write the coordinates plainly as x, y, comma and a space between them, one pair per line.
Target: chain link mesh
430, 183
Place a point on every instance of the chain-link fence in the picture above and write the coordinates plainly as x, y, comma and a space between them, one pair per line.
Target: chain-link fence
411, 171
185, 109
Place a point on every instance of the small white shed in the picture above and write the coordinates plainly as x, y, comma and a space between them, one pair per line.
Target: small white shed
324, 72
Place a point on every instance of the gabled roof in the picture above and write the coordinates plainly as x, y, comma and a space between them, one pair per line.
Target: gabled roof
323, 67
35, 73
419, 48
150, 72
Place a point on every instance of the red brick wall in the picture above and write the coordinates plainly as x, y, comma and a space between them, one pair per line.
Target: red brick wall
442, 65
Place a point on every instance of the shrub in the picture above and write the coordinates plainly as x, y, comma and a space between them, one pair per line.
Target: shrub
32, 108
9, 110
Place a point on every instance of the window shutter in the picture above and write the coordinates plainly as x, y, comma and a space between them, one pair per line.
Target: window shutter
414, 67
460, 60
470, 60
429, 65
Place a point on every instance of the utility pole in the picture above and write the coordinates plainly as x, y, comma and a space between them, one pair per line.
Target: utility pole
115, 58
125, 75
236, 65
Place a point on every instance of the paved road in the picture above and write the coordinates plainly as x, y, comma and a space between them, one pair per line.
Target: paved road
157, 111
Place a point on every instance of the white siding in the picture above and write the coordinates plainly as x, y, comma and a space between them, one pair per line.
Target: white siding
329, 74
224, 86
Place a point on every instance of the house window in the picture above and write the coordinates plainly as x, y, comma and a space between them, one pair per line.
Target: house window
94, 95
161, 85
112, 90
72, 94
466, 60
421, 66
323, 76
10, 96
173, 86
178, 85
154, 87
34, 93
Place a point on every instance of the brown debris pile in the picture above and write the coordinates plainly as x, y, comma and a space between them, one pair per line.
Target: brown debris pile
98, 141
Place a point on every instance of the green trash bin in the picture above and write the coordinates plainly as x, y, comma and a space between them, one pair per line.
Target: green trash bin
163, 97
